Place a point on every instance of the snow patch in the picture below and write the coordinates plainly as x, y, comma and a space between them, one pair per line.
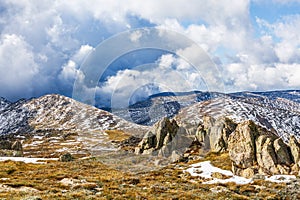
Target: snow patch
206, 169
281, 178
27, 160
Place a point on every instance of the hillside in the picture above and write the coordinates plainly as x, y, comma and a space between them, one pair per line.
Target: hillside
53, 124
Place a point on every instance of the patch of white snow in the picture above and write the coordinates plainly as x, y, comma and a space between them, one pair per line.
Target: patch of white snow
206, 169
27, 160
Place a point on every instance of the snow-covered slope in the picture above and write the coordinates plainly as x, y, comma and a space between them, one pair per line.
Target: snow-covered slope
14, 117
168, 104
292, 95
162, 105
279, 115
56, 112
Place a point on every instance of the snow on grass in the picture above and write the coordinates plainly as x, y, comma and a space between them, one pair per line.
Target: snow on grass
235, 179
281, 178
27, 160
206, 169
38, 137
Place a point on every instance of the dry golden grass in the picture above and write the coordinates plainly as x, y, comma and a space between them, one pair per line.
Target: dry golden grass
102, 182
220, 160
117, 135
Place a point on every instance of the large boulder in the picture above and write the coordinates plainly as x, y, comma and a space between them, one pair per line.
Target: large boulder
295, 149
214, 134
253, 149
265, 154
282, 152
241, 145
165, 138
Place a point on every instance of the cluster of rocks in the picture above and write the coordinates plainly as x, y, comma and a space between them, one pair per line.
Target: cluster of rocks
165, 139
213, 134
8, 148
252, 149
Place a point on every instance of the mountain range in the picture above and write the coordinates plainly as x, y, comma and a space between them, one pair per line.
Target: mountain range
56, 123
275, 110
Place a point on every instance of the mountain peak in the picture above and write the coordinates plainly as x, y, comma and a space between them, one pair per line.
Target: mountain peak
57, 112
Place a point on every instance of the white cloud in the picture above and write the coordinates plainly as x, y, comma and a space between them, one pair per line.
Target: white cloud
70, 70
17, 67
286, 1
54, 36
135, 36
167, 74
287, 32
262, 77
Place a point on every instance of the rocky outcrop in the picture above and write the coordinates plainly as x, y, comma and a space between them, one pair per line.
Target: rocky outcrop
283, 152
241, 145
295, 149
165, 139
214, 134
8, 148
265, 154
253, 149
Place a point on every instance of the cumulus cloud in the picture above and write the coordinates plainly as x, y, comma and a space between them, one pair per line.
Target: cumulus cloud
262, 77
45, 42
70, 70
168, 73
17, 67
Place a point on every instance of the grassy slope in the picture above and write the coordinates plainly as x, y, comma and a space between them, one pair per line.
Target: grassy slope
102, 182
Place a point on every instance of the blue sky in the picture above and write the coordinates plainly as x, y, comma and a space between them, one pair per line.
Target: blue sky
255, 44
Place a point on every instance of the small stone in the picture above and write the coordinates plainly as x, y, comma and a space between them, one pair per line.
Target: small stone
295, 169
175, 156
248, 173
67, 157
258, 177
283, 169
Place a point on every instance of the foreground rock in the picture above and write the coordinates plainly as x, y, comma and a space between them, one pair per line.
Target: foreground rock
165, 139
253, 149
213, 134
241, 145
295, 150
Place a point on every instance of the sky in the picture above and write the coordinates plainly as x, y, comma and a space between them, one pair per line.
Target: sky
254, 44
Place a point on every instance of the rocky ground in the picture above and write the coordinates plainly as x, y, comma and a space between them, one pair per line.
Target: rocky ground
90, 179
226, 160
